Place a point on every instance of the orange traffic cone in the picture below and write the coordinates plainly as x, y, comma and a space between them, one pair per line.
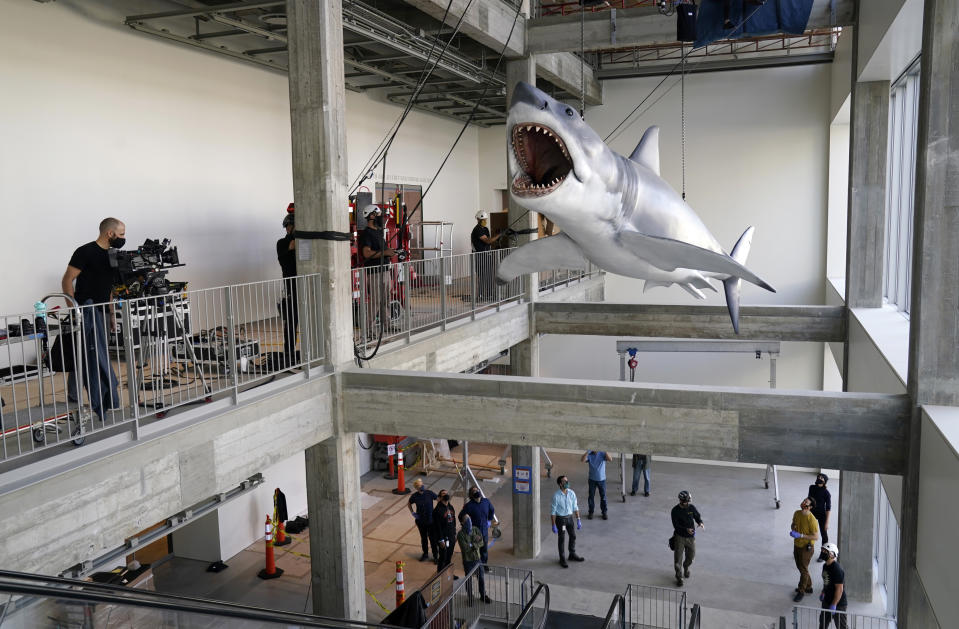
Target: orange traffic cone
270, 571
401, 487
400, 590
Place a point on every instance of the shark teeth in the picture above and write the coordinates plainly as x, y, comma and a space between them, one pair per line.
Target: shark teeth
539, 159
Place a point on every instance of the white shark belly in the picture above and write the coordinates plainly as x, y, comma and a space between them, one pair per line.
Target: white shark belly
606, 252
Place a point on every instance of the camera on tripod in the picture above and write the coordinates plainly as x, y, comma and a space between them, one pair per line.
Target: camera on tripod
402, 255
142, 273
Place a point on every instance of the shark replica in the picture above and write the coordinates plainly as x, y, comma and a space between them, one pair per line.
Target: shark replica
615, 212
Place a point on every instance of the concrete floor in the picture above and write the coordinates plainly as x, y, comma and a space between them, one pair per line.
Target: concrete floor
743, 575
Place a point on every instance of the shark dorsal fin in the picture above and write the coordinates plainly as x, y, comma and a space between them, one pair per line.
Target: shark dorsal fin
647, 151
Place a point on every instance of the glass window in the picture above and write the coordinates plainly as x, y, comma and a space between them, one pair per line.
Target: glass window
901, 188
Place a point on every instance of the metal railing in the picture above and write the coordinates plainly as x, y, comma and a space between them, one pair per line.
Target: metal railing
616, 616
28, 600
818, 618
649, 606
69, 371
695, 616
509, 590
393, 302
532, 617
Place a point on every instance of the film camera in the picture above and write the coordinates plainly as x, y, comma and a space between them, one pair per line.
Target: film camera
142, 273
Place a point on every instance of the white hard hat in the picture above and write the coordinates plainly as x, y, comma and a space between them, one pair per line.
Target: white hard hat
369, 209
482, 215
831, 548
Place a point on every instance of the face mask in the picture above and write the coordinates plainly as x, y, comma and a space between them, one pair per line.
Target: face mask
445, 498
117, 243
419, 489
467, 524
565, 484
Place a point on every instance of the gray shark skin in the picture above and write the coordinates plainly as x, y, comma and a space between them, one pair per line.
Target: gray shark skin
615, 212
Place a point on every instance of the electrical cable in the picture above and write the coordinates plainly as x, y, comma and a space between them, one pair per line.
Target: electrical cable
670, 73
360, 442
356, 350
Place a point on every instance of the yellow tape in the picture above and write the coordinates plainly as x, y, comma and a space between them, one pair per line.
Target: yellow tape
375, 600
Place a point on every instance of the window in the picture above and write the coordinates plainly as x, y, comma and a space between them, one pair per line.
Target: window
901, 188
886, 549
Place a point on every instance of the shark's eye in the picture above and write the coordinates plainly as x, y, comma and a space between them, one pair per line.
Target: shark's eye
545, 105
570, 112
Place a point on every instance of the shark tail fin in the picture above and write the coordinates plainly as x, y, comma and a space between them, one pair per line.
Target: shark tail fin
733, 285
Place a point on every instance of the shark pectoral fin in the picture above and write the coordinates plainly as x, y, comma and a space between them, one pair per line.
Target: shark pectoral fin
651, 284
692, 290
554, 252
669, 254
699, 281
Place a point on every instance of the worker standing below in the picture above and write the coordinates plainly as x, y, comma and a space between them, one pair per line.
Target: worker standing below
444, 529
805, 532
422, 499
481, 241
471, 542
562, 510
481, 513
822, 508
95, 277
597, 480
376, 256
641, 468
289, 311
685, 518
833, 595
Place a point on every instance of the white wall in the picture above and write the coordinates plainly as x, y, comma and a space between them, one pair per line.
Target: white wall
757, 147
99, 120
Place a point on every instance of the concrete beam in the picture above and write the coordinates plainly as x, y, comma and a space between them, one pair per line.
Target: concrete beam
641, 26
772, 323
487, 21
851, 431
562, 69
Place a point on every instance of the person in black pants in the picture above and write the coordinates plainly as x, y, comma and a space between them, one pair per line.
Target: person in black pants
821, 509
562, 509
833, 595
423, 499
482, 243
289, 311
444, 529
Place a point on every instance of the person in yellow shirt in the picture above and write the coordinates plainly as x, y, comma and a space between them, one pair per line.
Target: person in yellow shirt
805, 532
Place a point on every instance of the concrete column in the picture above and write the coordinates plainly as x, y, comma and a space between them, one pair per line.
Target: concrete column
524, 361
866, 225
523, 69
526, 511
336, 528
318, 124
933, 318
857, 531
865, 241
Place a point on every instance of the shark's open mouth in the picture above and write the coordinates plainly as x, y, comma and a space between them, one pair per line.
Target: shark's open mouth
543, 160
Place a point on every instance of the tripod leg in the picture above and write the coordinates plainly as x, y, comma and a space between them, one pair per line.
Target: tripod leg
188, 343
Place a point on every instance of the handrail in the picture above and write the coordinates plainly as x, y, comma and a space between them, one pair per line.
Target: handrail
695, 616
90, 592
529, 607
620, 602
459, 586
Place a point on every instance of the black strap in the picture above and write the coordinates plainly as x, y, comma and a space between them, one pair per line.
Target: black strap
326, 235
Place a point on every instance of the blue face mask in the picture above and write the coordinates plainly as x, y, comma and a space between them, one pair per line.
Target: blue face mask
468, 524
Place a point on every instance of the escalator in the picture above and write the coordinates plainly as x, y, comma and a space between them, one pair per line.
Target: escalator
41, 602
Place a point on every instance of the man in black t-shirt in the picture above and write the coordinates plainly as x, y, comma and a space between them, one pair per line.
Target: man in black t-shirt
286, 256
376, 257
95, 277
833, 595
685, 518
481, 241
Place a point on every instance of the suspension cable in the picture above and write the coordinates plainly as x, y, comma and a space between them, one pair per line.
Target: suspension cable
582, 62
682, 109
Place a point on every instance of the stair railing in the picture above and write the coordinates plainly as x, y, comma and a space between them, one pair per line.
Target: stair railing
618, 603
544, 589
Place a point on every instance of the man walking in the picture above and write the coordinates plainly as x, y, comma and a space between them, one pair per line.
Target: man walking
685, 518
597, 480
640, 468
833, 595
805, 532
561, 512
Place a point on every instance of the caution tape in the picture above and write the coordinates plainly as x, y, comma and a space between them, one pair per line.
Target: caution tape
375, 600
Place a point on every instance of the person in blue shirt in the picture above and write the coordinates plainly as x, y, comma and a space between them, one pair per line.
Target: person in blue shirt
562, 510
481, 513
597, 480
